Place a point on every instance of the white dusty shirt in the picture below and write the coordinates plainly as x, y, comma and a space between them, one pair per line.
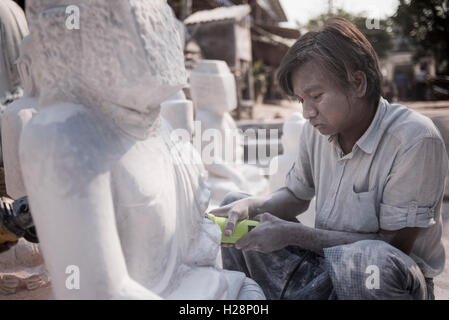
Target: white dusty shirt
392, 179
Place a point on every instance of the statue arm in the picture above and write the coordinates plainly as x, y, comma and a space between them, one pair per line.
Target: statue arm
70, 196
216, 164
13, 120
225, 171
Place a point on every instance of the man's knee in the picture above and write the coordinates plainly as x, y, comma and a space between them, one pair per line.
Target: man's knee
251, 291
374, 269
369, 253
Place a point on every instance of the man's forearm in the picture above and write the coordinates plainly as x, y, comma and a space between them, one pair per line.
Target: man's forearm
281, 203
318, 239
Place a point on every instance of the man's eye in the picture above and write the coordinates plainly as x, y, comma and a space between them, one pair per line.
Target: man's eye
317, 96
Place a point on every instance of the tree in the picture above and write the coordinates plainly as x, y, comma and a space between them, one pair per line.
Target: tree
426, 23
380, 38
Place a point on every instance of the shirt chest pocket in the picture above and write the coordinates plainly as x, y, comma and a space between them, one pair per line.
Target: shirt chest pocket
360, 214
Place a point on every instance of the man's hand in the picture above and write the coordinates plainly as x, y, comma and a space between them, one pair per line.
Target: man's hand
235, 211
270, 235
281, 203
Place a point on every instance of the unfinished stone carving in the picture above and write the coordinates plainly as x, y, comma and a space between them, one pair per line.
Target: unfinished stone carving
22, 269
280, 165
178, 111
13, 27
14, 119
213, 92
114, 203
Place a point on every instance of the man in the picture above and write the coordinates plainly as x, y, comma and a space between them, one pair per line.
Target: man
377, 172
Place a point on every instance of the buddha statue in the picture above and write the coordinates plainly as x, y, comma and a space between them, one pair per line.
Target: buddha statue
15, 118
113, 201
213, 91
178, 112
13, 28
22, 270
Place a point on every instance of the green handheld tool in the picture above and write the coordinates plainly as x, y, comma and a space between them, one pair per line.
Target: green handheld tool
242, 228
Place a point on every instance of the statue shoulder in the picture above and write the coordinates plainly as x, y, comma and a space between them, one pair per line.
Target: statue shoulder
53, 122
59, 113
68, 141
63, 129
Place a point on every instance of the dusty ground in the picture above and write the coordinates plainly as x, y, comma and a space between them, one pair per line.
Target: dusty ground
43, 293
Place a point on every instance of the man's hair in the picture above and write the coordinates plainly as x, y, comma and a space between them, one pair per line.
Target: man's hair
340, 48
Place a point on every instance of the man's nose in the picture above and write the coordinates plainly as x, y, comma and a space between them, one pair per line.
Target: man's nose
308, 111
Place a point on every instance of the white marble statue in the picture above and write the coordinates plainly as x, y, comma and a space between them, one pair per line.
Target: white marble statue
281, 164
14, 119
178, 111
13, 28
21, 268
213, 91
118, 212
22, 271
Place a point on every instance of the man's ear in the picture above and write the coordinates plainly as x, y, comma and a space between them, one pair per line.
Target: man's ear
358, 84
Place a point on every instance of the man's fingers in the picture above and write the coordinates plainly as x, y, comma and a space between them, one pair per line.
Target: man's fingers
230, 223
263, 217
242, 243
221, 211
247, 242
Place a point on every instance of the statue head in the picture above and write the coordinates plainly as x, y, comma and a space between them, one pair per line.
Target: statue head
124, 54
212, 86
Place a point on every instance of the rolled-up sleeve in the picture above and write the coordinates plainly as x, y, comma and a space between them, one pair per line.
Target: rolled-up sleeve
299, 179
414, 189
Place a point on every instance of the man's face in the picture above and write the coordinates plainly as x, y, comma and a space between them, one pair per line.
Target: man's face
325, 104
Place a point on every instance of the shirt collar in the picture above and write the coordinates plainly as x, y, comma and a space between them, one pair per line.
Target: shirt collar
369, 140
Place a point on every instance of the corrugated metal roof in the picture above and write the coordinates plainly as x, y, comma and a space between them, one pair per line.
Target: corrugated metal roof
279, 10
273, 8
287, 33
218, 14
266, 36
